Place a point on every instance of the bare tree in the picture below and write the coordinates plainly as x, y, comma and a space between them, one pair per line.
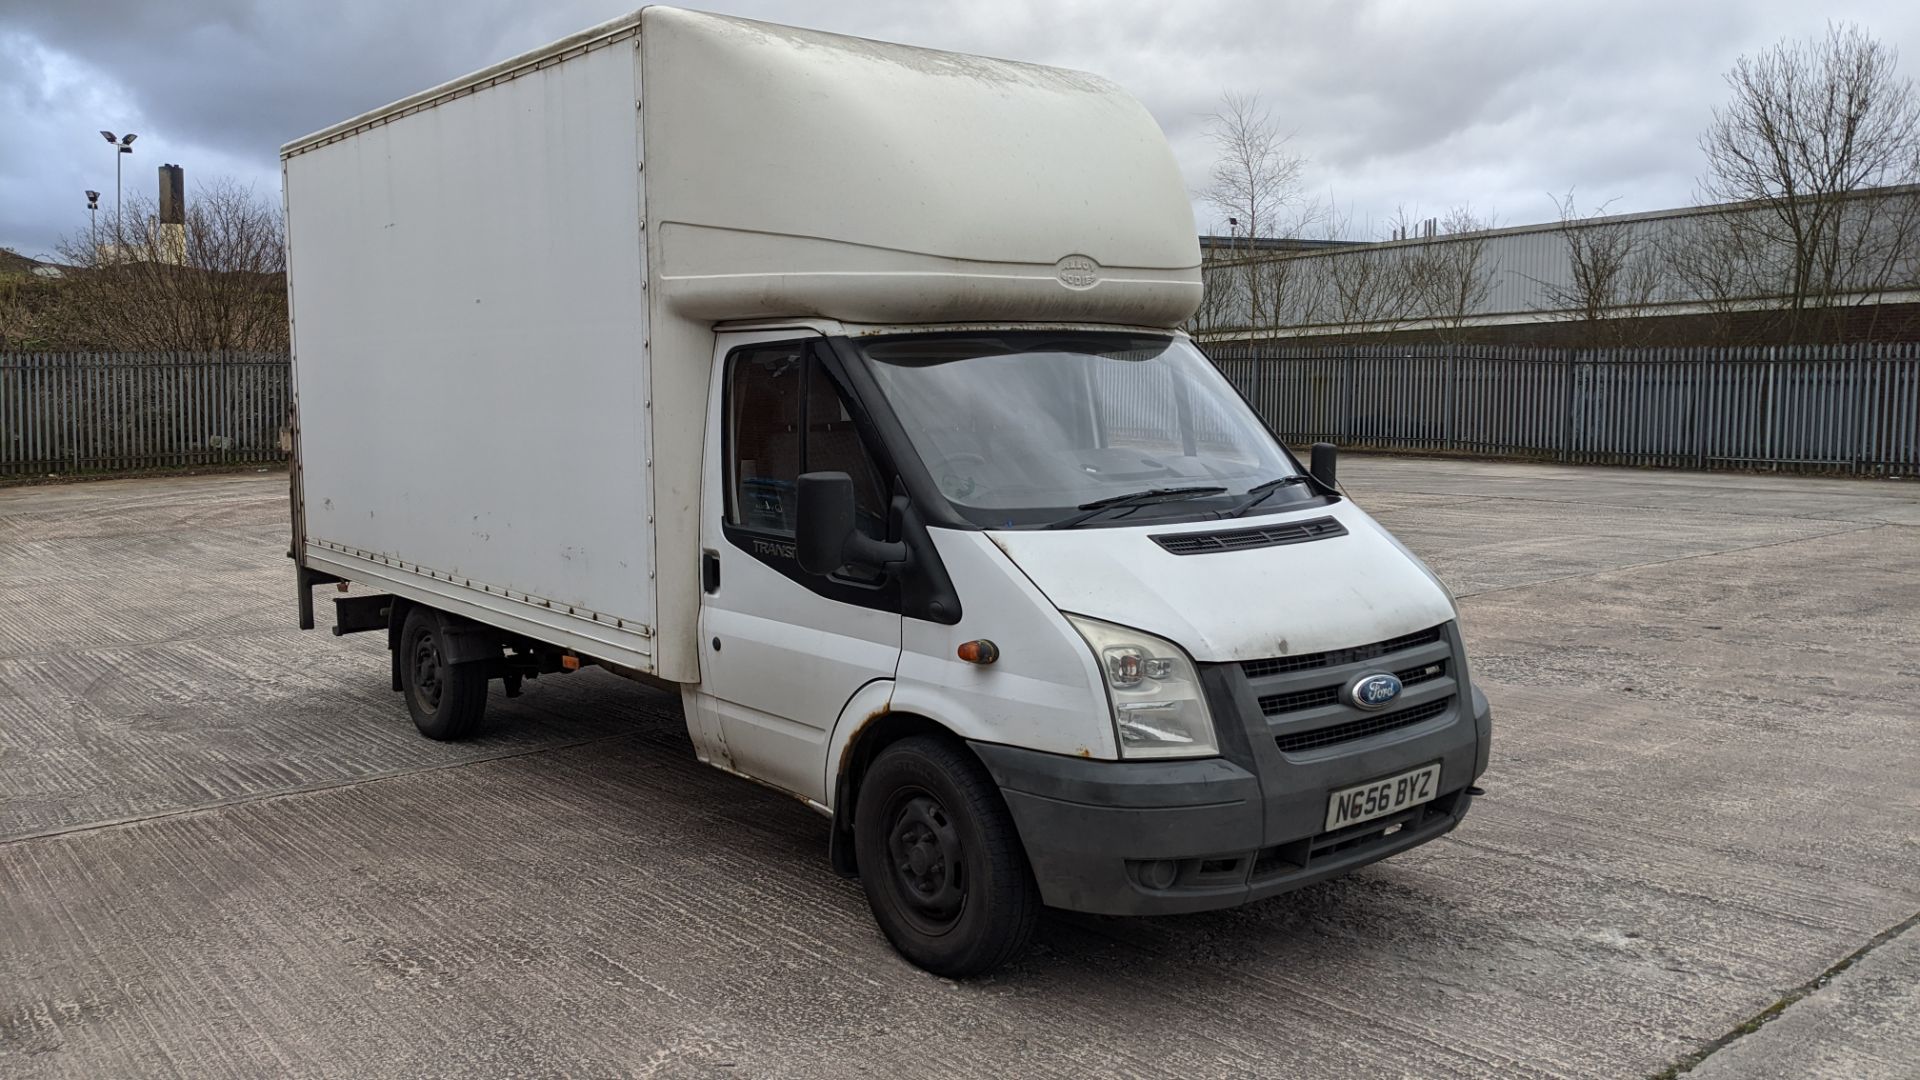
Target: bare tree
1256, 177
1451, 277
1367, 291
1614, 274
1811, 123
216, 282
1360, 289
1256, 183
21, 298
1222, 297
1711, 261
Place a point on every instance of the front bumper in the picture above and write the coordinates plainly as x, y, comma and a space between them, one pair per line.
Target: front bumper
1237, 828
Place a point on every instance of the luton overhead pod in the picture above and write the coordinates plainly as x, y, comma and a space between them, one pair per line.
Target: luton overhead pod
840, 386
791, 172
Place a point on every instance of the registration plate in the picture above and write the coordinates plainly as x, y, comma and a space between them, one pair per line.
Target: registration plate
1378, 798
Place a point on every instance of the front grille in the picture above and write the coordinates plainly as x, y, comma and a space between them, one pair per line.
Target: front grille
1276, 704
1292, 532
1360, 729
1423, 673
1280, 704
1280, 665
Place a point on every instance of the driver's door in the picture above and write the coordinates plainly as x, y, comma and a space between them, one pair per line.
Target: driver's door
782, 650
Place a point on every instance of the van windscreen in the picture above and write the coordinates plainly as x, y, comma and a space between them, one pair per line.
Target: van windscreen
1027, 429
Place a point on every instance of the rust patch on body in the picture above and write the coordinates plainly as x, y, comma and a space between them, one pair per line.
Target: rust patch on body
853, 740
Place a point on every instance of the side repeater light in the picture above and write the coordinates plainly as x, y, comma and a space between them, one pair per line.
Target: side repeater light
979, 651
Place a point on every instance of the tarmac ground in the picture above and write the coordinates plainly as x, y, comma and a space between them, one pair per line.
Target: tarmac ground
224, 852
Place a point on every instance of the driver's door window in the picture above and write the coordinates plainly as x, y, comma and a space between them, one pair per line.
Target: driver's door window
765, 413
786, 416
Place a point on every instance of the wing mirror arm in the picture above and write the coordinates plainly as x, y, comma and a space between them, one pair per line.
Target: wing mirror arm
826, 535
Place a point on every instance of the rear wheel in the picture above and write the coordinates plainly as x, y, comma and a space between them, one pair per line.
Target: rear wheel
446, 700
941, 859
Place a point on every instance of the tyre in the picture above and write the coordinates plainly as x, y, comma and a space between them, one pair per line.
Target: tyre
445, 700
941, 860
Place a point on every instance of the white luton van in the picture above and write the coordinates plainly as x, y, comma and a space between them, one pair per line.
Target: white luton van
839, 386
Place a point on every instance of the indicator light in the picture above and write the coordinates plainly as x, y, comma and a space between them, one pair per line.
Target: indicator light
979, 651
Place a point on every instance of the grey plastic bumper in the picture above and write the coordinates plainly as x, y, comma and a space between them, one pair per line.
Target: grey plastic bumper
1092, 827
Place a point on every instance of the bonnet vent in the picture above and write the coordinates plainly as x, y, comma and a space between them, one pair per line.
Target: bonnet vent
1292, 532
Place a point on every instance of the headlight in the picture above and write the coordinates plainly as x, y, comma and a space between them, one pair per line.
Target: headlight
1159, 710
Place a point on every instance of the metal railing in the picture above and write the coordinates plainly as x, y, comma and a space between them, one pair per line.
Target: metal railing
66, 413
1852, 409
1815, 408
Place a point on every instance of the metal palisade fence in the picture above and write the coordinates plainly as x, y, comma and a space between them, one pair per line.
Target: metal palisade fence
1815, 408
1853, 408
66, 413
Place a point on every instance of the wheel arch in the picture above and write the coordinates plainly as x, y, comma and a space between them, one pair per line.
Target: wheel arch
872, 733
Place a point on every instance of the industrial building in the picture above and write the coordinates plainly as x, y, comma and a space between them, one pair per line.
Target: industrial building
1718, 274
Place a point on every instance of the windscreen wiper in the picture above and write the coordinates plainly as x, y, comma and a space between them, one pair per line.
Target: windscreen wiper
1134, 498
1258, 492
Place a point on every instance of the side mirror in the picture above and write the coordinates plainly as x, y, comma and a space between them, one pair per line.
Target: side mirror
1321, 466
826, 536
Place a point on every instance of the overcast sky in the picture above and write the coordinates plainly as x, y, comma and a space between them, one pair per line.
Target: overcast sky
1411, 103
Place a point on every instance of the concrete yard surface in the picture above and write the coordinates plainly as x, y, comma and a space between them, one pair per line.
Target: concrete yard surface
224, 852
1863, 1024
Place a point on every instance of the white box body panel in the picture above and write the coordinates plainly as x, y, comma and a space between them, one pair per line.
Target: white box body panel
505, 288
470, 355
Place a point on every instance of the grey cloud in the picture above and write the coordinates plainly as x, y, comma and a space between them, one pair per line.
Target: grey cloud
244, 77
1395, 101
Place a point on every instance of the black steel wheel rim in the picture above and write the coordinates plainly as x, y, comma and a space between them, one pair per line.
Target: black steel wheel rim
426, 672
926, 862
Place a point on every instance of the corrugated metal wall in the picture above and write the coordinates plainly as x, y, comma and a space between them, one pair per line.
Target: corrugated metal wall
65, 413
1529, 272
1852, 409
1522, 269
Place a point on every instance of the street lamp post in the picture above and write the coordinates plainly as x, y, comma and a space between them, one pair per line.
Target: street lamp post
121, 145
93, 221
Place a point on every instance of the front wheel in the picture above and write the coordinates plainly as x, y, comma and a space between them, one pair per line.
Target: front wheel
445, 700
941, 860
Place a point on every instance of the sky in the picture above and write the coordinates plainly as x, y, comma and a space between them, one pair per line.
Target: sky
1395, 104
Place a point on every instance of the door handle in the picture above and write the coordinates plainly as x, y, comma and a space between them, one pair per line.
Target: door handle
710, 571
